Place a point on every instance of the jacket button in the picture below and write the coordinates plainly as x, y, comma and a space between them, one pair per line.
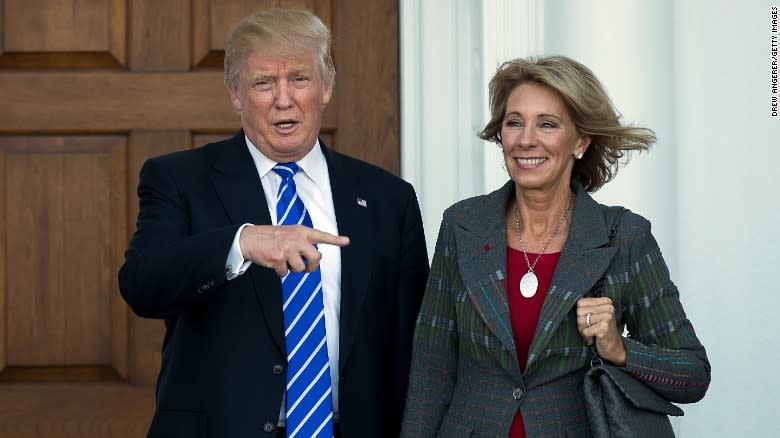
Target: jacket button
517, 393
278, 369
268, 427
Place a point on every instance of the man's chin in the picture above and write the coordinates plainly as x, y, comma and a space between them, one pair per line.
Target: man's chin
289, 149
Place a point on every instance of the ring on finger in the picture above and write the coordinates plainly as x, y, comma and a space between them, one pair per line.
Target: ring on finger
587, 319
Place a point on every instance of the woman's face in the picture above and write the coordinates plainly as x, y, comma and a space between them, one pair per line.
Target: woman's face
539, 138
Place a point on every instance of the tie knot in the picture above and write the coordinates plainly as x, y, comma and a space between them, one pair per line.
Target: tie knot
286, 170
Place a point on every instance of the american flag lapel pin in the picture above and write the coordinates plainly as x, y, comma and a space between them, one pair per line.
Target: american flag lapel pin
362, 202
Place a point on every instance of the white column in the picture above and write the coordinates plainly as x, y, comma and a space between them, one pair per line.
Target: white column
441, 104
628, 45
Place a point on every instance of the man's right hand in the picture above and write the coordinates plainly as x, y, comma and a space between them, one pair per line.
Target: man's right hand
286, 248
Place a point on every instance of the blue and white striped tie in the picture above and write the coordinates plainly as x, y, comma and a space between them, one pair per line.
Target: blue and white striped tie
309, 403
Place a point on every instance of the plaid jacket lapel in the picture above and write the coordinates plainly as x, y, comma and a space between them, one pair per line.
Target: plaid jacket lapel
481, 241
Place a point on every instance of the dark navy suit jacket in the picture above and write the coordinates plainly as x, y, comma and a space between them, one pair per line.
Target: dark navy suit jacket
223, 356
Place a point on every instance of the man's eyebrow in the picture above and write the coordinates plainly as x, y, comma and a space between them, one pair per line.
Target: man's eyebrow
298, 70
263, 77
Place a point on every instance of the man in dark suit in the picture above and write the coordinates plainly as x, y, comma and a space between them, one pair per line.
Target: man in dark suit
213, 255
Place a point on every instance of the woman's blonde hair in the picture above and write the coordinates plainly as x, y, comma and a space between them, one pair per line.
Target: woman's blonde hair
289, 31
589, 107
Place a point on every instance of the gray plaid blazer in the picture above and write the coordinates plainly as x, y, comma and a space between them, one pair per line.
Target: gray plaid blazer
465, 378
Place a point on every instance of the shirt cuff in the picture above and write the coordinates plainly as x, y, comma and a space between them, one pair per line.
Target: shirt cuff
236, 264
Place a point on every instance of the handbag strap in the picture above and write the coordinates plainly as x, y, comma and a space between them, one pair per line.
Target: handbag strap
612, 217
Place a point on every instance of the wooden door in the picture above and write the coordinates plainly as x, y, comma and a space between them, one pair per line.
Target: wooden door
88, 90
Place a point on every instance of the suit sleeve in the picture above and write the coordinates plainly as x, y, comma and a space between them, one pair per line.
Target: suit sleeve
166, 268
413, 272
662, 349
435, 352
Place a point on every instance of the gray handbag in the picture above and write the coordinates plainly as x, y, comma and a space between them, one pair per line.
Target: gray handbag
618, 404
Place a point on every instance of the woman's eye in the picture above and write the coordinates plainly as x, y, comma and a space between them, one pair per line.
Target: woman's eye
548, 125
513, 123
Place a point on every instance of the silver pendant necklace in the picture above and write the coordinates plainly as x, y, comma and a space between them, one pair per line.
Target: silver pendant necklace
530, 283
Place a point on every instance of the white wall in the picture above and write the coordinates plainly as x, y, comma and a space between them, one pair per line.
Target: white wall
695, 71
728, 150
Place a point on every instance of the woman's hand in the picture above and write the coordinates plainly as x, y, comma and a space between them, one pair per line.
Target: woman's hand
596, 319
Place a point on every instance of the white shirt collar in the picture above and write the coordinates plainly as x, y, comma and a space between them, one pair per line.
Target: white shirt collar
312, 164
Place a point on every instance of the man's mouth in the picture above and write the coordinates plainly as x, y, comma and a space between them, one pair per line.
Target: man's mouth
285, 124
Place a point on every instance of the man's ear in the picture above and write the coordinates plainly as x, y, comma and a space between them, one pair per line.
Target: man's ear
327, 92
235, 101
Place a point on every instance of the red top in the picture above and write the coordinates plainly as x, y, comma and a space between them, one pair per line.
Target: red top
524, 312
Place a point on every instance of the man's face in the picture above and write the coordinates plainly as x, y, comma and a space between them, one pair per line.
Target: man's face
280, 99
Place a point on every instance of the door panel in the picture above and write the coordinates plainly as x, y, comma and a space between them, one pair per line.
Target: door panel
89, 90
61, 26
60, 215
63, 33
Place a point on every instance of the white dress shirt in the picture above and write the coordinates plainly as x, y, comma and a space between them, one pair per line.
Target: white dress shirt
312, 184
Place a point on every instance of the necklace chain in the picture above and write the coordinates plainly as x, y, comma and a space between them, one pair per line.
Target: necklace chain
552, 236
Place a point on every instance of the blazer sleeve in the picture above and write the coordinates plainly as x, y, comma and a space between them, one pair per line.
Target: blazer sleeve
662, 349
166, 267
435, 351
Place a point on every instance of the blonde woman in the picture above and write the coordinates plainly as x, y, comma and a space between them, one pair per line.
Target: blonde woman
502, 339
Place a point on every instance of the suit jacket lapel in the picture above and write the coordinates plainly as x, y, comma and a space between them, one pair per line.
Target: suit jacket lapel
354, 221
239, 188
237, 183
583, 260
480, 237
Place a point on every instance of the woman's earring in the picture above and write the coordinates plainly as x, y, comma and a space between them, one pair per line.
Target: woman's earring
579, 156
